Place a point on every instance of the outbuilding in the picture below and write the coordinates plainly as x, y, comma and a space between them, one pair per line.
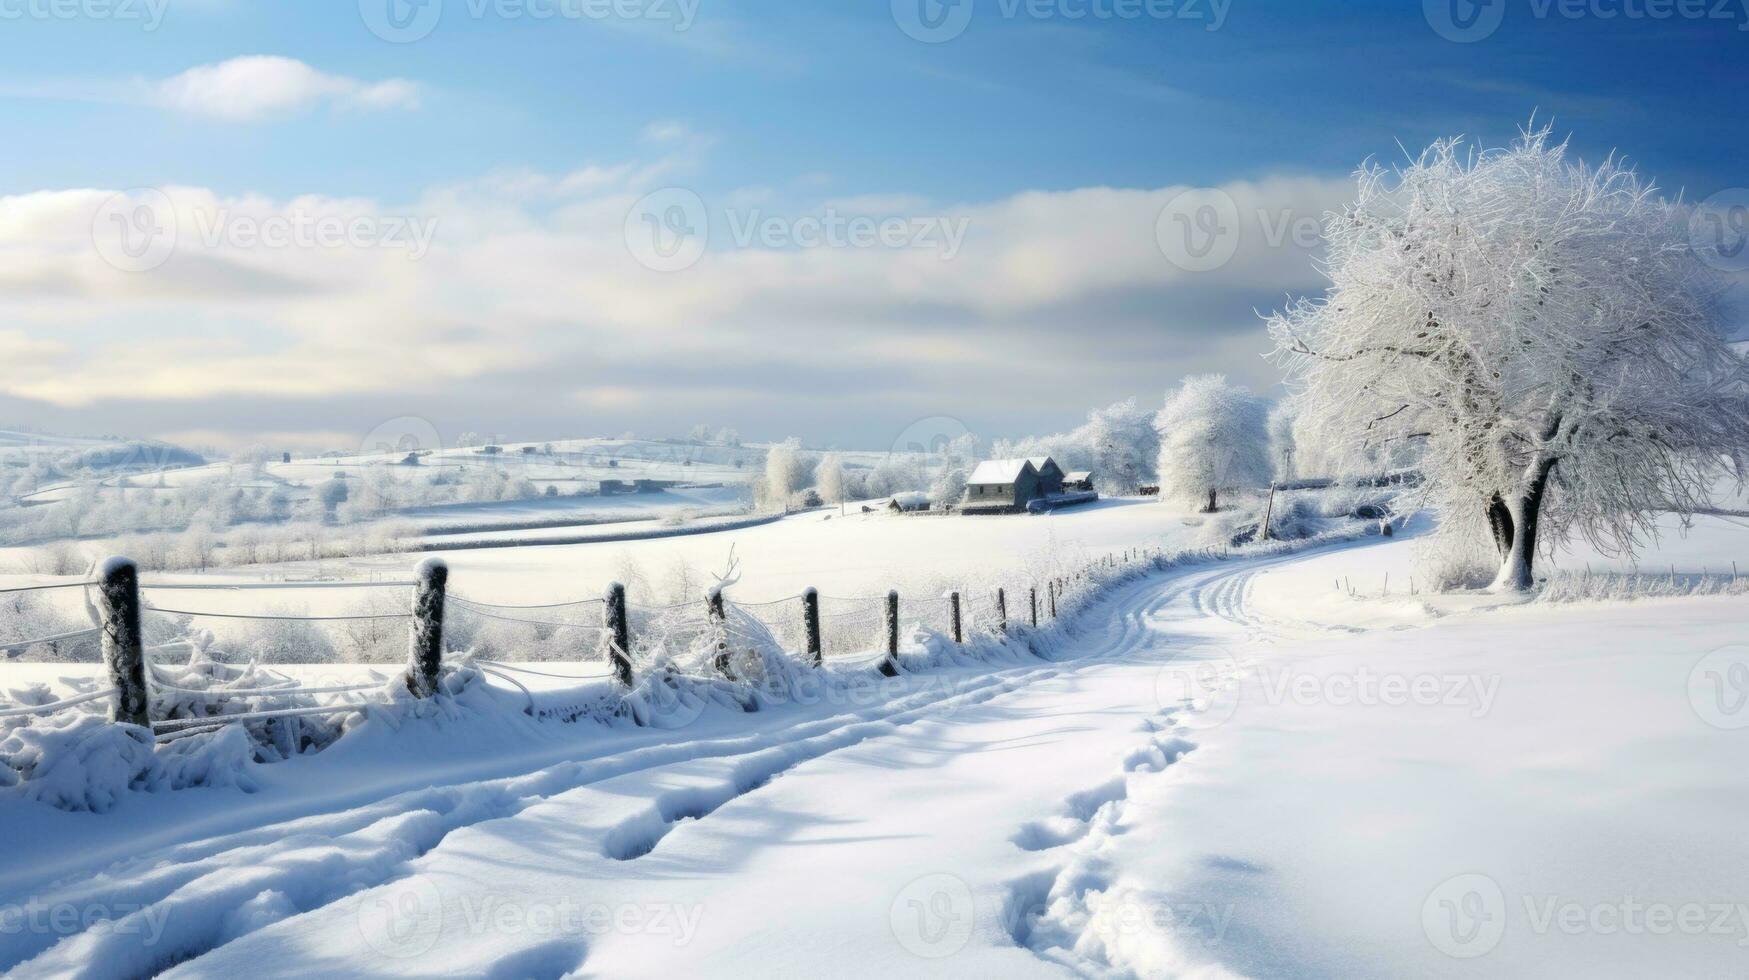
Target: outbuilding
1008, 485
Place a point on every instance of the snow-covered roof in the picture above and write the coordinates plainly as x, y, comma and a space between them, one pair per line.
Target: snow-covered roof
1040, 462
913, 500
999, 471
1079, 476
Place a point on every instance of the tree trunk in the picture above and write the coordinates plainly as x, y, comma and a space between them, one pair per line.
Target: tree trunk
1213, 504
1517, 570
1500, 521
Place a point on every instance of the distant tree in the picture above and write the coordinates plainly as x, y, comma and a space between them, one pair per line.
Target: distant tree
1213, 438
1541, 331
949, 487
829, 478
783, 463
1124, 444
1281, 440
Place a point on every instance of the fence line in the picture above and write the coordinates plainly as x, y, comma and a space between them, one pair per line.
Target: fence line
870, 623
45, 588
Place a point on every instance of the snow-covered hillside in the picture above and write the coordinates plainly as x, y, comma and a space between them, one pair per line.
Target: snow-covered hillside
1264, 766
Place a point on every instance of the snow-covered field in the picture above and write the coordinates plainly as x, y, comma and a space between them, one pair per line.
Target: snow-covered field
1222, 768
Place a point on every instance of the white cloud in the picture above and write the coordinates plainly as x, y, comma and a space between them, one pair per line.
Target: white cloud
256, 87
530, 297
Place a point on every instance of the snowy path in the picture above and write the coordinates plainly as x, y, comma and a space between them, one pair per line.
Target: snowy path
724, 828
1196, 791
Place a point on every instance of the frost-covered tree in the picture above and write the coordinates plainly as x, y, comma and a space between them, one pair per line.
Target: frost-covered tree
1125, 445
829, 478
1212, 438
949, 487
1541, 332
1282, 436
783, 474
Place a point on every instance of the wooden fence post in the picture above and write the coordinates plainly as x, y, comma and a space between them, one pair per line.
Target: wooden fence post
1034, 594
890, 666
619, 635
118, 596
1002, 611
1268, 512
959, 633
1054, 588
811, 624
427, 649
719, 623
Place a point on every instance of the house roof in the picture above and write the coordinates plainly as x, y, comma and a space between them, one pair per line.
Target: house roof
1040, 462
1079, 476
999, 471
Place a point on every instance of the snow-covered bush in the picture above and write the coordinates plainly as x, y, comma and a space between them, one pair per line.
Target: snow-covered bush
77, 760
1213, 438
1541, 335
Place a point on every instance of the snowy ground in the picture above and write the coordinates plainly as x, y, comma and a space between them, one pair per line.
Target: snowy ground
1229, 768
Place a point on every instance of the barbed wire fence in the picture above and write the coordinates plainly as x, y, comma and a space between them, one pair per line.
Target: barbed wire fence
163, 673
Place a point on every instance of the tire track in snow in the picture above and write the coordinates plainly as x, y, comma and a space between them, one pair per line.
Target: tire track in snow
302, 865
219, 889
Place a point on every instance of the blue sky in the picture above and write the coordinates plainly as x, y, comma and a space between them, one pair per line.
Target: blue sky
760, 109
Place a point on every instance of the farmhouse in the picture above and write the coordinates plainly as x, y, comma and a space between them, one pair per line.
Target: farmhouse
1004, 485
